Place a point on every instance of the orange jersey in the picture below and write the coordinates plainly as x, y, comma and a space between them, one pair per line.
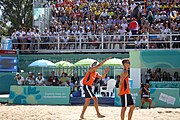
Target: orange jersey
89, 78
125, 87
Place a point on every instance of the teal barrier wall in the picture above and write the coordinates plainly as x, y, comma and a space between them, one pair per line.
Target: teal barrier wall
6, 80
39, 95
155, 58
173, 84
162, 97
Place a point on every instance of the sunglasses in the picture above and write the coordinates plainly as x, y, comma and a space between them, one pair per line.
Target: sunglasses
128, 62
94, 64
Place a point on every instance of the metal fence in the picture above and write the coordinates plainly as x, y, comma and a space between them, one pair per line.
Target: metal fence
90, 43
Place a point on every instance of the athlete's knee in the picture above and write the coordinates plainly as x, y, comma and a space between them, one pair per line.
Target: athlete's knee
87, 100
95, 99
123, 109
142, 100
132, 107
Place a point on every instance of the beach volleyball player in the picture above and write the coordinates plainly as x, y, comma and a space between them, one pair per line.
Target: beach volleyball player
124, 91
88, 80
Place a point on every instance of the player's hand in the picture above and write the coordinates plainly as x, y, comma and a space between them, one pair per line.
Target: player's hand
106, 70
119, 94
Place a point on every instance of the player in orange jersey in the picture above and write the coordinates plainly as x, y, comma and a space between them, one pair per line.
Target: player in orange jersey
88, 80
124, 91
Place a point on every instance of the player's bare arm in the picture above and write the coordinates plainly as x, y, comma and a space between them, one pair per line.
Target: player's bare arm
105, 73
123, 76
146, 90
99, 65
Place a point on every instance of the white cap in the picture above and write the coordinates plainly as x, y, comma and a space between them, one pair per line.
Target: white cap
17, 74
94, 64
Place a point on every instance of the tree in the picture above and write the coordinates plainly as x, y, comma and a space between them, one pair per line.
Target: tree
3, 28
18, 12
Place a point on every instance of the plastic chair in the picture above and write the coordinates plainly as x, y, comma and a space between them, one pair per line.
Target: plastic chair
109, 88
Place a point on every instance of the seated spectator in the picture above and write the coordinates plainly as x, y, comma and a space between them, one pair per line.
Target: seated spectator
156, 76
30, 79
176, 77
164, 76
96, 86
20, 79
104, 81
144, 42
64, 81
40, 81
53, 80
137, 43
75, 79
148, 75
145, 95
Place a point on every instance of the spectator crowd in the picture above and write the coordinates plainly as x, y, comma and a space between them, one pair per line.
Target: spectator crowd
159, 75
52, 80
72, 18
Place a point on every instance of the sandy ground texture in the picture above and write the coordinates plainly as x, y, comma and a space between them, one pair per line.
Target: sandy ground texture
44, 112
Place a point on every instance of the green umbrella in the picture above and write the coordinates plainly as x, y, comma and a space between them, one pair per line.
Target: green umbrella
64, 64
113, 62
84, 62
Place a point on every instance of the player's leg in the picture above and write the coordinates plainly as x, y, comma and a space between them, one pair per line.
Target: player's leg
150, 103
131, 104
131, 112
142, 102
123, 110
124, 105
87, 101
96, 107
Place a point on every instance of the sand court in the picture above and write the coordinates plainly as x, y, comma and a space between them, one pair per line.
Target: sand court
44, 112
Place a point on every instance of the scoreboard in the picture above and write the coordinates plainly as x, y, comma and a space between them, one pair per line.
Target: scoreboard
8, 61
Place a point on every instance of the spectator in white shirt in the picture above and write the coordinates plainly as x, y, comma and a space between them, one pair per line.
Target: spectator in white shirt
137, 43
122, 33
45, 38
28, 38
133, 5
124, 24
30, 79
104, 14
144, 42
14, 39
20, 79
40, 81
167, 30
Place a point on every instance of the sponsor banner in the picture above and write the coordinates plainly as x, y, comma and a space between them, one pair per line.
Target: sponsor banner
39, 95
